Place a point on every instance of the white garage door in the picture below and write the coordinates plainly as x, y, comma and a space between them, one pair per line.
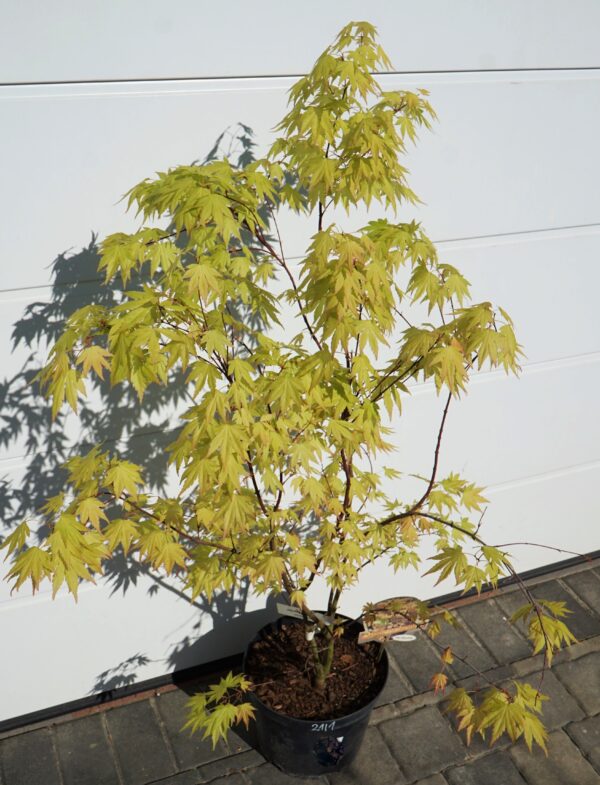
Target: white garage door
100, 95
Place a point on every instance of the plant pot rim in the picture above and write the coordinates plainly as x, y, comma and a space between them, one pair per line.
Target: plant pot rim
253, 697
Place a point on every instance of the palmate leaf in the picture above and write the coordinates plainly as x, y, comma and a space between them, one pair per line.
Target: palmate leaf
84, 469
546, 631
451, 560
92, 510
123, 532
244, 713
32, 564
170, 555
472, 497
439, 682
303, 559
94, 358
219, 721
270, 568
549, 634
123, 476
15, 540
228, 440
515, 715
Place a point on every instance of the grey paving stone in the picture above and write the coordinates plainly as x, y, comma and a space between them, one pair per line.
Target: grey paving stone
28, 759
564, 765
499, 674
466, 648
374, 765
437, 779
586, 735
271, 775
84, 754
561, 708
189, 777
581, 622
396, 688
510, 603
586, 585
494, 630
231, 765
582, 679
478, 745
138, 742
423, 743
190, 750
417, 660
233, 779
496, 769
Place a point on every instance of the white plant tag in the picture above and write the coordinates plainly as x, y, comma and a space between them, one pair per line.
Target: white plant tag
403, 637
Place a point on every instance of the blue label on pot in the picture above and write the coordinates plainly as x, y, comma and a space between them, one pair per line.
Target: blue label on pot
329, 750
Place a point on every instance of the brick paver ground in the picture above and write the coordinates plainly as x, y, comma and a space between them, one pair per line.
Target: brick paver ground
410, 740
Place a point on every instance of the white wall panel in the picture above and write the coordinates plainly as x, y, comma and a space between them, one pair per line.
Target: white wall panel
146, 39
561, 510
551, 267
107, 637
111, 637
508, 428
544, 280
489, 167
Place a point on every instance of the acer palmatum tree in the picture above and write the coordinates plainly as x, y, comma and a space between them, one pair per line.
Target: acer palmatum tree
281, 453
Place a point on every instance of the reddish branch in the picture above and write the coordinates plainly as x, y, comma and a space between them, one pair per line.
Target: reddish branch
513, 573
281, 261
418, 504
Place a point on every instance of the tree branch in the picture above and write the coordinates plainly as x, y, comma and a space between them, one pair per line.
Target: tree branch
187, 535
281, 261
256, 488
416, 506
514, 574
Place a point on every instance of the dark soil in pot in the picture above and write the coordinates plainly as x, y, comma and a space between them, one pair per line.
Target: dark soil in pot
277, 664
303, 731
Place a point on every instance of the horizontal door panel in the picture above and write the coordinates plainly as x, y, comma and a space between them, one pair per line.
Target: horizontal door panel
506, 428
481, 172
129, 629
71, 42
545, 280
135, 628
559, 511
506, 431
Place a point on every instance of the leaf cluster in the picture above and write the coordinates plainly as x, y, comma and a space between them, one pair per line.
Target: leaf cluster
220, 707
513, 710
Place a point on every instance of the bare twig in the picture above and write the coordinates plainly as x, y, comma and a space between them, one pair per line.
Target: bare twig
418, 504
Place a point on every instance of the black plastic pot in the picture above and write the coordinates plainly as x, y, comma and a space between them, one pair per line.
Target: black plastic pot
310, 748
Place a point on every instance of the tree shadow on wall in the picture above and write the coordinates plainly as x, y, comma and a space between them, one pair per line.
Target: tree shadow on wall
115, 418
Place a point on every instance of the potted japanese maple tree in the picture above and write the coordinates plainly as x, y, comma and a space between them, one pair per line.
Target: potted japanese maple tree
295, 373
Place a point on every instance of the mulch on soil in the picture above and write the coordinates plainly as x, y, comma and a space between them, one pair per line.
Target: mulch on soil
279, 665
